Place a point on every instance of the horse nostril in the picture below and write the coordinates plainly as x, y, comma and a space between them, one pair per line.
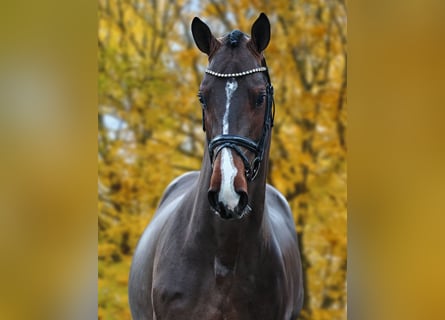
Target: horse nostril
243, 200
213, 199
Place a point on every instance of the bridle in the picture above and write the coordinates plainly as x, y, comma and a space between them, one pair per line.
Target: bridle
235, 142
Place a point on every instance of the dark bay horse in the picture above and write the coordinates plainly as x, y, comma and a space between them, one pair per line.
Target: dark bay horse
222, 244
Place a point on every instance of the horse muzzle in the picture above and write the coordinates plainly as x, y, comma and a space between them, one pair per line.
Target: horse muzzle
225, 211
227, 194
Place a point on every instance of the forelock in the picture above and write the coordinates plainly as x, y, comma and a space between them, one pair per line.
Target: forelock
234, 38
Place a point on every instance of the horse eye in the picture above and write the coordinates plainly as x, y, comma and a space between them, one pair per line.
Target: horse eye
260, 99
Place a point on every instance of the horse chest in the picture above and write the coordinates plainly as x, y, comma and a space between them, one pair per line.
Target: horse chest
216, 293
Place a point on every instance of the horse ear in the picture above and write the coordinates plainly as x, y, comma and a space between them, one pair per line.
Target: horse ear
202, 35
261, 32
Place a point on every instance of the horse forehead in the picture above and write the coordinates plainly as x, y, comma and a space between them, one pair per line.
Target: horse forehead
222, 91
233, 58
235, 54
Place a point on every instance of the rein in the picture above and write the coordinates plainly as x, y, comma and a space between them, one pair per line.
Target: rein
235, 142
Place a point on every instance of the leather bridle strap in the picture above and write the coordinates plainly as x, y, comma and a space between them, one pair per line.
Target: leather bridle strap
235, 142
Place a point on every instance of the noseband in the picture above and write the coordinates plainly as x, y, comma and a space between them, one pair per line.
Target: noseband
235, 142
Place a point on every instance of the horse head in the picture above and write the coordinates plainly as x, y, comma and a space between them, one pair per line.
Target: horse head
236, 98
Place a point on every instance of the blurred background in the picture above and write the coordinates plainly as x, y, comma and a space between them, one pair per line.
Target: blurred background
149, 120
49, 58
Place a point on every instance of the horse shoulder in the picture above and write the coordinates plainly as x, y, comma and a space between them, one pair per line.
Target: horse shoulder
140, 281
278, 207
283, 233
170, 200
179, 186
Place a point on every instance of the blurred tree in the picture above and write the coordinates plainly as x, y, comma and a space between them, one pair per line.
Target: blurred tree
150, 128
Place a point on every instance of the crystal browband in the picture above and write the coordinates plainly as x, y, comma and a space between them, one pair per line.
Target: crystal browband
239, 74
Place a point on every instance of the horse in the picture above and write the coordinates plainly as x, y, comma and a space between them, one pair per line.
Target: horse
222, 244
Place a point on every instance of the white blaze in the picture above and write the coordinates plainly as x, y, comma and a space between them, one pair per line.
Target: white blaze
227, 194
231, 86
